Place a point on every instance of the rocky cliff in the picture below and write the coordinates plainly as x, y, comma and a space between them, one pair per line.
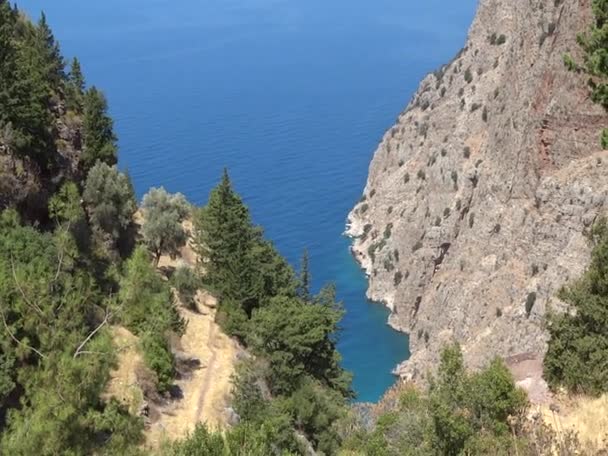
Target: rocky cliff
478, 198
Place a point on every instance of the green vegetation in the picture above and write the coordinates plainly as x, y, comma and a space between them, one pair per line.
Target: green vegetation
296, 385
110, 204
186, 282
162, 230
65, 279
578, 348
460, 414
594, 44
99, 138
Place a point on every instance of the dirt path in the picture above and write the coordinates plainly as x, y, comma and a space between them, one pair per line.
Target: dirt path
206, 391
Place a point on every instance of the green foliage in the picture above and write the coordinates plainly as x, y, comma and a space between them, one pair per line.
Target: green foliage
240, 265
110, 201
75, 87
48, 48
225, 239
578, 348
186, 282
163, 216
298, 339
242, 440
304, 278
146, 307
594, 43
25, 89
314, 409
158, 357
98, 131
604, 139
146, 301
54, 340
462, 413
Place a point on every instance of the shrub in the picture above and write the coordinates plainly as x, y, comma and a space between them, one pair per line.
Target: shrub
502, 39
109, 200
186, 282
454, 177
468, 76
417, 246
530, 300
466, 152
388, 231
162, 229
421, 174
364, 208
406, 178
157, 357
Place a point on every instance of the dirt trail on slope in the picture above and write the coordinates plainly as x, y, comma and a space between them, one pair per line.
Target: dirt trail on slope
206, 391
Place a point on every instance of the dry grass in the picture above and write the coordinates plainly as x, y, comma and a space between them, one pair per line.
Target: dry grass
588, 417
123, 384
206, 393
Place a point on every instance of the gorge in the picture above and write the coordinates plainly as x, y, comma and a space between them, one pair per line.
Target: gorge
278, 93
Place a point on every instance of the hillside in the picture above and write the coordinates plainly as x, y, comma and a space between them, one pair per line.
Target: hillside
478, 198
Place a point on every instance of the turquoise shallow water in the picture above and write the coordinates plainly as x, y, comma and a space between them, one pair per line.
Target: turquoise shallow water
292, 96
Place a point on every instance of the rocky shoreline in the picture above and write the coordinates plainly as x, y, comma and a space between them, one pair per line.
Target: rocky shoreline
478, 199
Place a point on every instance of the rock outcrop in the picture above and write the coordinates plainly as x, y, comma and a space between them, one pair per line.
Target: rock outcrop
479, 197
24, 183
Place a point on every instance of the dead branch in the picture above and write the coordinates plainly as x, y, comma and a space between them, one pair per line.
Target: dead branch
19, 342
79, 351
27, 301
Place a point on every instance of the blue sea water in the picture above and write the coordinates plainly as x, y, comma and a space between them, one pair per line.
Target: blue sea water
292, 96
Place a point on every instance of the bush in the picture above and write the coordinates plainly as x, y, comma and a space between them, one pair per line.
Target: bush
578, 347
468, 76
186, 282
397, 278
162, 230
158, 357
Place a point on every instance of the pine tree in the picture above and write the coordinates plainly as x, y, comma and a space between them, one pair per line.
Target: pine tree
48, 47
224, 238
76, 76
75, 88
99, 138
304, 279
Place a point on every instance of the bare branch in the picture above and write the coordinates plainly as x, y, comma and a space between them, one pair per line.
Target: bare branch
27, 301
12, 336
90, 336
61, 256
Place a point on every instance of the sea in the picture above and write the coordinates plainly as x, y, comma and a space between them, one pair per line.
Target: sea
291, 96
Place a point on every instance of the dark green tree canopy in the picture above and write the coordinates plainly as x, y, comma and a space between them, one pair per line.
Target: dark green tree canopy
98, 127
109, 200
577, 357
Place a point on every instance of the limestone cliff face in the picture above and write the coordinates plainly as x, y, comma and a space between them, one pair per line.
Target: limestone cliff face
23, 183
478, 198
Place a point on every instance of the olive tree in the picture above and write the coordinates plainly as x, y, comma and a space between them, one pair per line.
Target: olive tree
109, 200
162, 230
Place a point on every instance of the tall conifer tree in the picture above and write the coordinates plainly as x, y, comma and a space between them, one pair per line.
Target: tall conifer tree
99, 137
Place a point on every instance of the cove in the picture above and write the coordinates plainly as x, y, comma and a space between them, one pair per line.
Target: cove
292, 96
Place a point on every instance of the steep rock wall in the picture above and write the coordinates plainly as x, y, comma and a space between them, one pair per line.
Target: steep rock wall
478, 198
